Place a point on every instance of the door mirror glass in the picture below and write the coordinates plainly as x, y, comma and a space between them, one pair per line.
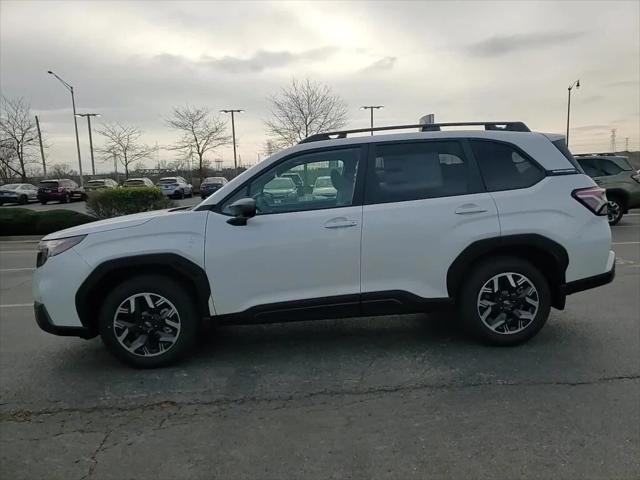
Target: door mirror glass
242, 210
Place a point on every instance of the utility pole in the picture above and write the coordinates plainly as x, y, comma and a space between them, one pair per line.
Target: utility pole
626, 144
44, 164
89, 115
233, 134
371, 108
613, 140
75, 122
577, 85
115, 166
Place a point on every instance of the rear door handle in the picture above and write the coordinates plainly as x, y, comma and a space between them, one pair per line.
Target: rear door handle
469, 208
340, 222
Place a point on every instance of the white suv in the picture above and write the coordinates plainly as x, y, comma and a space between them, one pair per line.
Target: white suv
501, 223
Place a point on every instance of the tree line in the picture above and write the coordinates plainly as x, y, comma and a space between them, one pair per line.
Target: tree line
300, 109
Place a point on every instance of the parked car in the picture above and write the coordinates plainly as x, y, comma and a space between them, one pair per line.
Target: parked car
500, 224
324, 188
210, 185
297, 179
616, 175
21, 193
280, 190
138, 182
176, 187
62, 190
100, 184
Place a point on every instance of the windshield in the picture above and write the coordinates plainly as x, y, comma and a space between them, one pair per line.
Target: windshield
95, 182
280, 183
48, 184
168, 180
322, 182
134, 182
10, 186
216, 180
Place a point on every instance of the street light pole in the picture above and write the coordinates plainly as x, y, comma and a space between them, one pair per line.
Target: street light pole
75, 122
577, 85
233, 134
89, 115
44, 165
371, 108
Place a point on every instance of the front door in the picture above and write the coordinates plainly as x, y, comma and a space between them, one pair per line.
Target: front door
301, 250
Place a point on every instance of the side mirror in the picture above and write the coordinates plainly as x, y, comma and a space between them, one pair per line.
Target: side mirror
242, 210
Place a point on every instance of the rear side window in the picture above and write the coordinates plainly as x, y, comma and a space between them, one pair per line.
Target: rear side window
562, 146
503, 167
414, 171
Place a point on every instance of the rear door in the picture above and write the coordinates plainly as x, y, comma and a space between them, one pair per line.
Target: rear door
424, 204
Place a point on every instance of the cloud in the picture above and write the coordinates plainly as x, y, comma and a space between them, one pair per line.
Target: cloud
591, 128
504, 44
386, 63
263, 60
623, 83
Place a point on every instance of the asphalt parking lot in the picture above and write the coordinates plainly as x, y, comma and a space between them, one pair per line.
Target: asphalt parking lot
374, 398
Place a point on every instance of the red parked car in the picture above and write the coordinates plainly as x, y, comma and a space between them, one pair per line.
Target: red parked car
62, 190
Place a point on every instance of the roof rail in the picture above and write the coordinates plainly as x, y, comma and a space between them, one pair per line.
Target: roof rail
598, 155
423, 127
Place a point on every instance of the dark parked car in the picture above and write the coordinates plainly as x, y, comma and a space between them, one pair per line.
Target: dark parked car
210, 185
61, 190
615, 174
18, 193
100, 184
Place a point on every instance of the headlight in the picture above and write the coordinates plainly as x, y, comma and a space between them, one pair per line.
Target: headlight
51, 248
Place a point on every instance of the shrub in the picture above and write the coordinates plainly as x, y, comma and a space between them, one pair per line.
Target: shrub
22, 221
114, 202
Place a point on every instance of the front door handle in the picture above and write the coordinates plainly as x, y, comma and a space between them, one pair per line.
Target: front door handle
340, 222
469, 208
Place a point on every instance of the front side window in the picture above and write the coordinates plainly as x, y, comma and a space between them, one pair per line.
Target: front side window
276, 190
417, 170
503, 167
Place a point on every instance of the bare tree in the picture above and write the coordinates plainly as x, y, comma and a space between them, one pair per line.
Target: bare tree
123, 142
17, 136
201, 132
61, 170
302, 109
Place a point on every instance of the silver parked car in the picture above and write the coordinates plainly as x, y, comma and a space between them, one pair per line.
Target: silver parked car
21, 193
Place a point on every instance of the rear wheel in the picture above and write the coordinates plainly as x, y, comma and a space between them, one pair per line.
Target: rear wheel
23, 200
43, 202
505, 301
148, 321
66, 199
614, 211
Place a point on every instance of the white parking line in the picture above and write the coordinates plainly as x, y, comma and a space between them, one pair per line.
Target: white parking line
30, 269
17, 305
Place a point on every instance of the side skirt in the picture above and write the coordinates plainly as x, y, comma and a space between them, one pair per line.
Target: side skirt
341, 306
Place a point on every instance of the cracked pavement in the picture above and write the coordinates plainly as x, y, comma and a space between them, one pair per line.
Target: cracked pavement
374, 398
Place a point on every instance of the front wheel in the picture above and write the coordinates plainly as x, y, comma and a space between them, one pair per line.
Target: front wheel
505, 301
43, 202
614, 211
148, 321
23, 200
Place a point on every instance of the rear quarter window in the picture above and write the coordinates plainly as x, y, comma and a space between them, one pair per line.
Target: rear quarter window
503, 167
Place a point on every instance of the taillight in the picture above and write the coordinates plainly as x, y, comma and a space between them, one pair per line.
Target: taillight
636, 176
594, 198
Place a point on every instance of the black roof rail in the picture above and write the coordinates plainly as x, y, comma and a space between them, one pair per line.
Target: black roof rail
598, 155
423, 127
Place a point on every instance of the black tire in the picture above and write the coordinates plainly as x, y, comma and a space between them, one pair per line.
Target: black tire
469, 308
615, 210
23, 200
157, 285
43, 202
66, 199
180, 194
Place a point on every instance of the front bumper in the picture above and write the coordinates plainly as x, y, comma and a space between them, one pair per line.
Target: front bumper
9, 199
44, 322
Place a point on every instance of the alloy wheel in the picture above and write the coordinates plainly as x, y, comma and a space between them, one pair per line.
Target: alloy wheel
508, 303
146, 324
613, 211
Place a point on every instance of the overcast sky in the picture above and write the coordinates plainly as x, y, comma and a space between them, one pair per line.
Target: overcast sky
133, 61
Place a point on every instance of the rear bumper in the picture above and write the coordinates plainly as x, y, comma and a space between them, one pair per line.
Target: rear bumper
590, 282
44, 322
